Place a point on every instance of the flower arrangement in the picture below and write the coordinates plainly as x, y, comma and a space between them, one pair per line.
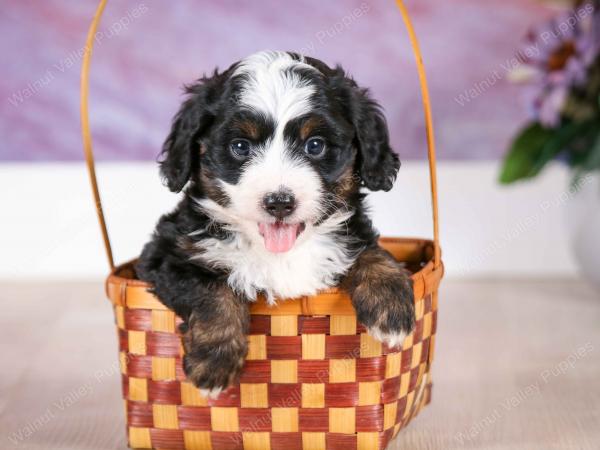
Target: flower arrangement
562, 74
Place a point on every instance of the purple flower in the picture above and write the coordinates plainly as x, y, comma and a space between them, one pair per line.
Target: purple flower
556, 59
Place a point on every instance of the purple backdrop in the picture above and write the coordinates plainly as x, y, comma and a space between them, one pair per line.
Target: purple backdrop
146, 50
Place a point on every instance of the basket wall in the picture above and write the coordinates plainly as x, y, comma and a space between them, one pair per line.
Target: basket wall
313, 380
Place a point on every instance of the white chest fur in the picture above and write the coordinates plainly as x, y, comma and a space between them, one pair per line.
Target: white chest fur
316, 260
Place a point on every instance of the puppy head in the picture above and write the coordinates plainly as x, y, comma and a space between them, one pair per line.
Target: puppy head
277, 146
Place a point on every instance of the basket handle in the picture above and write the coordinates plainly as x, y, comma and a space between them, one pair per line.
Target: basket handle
437, 253
89, 154
85, 130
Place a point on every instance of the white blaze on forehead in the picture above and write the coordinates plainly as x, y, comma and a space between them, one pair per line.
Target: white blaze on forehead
273, 87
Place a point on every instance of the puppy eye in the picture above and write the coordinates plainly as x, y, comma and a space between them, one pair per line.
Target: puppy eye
240, 147
315, 146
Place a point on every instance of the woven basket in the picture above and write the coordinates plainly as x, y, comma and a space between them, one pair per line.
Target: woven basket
313, 378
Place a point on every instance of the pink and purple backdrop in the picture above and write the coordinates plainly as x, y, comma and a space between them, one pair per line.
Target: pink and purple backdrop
147, 49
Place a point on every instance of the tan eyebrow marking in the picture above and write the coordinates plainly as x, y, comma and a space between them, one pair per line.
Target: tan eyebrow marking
308, 126
249, 128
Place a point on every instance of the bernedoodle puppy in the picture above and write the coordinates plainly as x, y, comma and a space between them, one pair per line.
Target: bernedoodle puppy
272, 154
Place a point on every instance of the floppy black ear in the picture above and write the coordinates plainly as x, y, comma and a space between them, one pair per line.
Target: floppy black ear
377, 163
180, 156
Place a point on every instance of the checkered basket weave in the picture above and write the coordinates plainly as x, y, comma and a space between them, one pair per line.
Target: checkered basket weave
313, 378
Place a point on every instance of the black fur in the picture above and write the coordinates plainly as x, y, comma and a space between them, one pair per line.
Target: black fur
180, 156
193, 154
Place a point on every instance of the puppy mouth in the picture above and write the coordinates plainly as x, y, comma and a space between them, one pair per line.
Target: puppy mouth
279, 236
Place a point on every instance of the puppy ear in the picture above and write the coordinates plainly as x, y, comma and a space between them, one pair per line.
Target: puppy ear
377, 163
180, 156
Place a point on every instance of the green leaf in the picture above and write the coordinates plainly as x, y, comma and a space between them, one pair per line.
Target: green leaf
580, 147
524, 154
591, 161
535, 146
561, 140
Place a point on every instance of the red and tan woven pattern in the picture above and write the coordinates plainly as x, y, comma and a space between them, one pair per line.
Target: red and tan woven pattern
310, 381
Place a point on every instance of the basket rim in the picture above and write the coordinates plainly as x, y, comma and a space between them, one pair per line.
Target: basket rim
133, 293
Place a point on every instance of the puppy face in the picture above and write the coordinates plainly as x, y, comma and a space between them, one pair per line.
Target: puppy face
276, 145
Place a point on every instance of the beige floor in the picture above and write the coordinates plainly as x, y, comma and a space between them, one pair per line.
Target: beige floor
517, 367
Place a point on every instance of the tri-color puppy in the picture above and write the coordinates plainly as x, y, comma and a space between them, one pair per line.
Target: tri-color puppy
272, 153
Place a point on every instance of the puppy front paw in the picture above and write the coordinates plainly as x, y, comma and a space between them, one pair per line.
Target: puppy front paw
391, 339
211, 393
212, 361
386, 308
214, 370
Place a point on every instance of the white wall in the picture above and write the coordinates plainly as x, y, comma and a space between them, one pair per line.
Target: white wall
48, 227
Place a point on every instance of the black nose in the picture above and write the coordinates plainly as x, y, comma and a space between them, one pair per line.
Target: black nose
279, 204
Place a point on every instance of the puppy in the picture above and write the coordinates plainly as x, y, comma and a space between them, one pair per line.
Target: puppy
272, 153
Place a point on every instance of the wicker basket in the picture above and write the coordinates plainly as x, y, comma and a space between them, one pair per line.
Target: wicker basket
313, 379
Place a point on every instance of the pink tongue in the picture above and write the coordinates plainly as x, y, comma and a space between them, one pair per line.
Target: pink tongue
279, 237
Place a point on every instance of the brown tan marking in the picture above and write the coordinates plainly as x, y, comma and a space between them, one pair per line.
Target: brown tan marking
348, 183
215, 341
308, 127
249, 128
210, 185
381, 292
